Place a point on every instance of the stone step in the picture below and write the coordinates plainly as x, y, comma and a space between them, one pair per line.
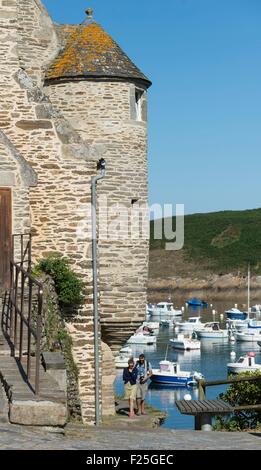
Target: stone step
47, 409
3, 407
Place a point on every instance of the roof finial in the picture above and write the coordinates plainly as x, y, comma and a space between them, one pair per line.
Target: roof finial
89, 13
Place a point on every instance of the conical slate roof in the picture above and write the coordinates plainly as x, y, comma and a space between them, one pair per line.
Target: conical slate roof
90, 52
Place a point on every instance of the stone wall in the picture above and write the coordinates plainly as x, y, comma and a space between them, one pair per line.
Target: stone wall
38, 43
64, 165
103, 112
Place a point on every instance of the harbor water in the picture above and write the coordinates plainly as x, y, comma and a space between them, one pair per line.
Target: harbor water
211, 361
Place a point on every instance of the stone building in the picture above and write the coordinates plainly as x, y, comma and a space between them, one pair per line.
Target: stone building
69, 95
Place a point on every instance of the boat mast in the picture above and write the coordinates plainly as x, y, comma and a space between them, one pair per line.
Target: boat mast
248, 291
166, 355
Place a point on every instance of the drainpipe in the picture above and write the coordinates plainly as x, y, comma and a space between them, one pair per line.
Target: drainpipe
100, 166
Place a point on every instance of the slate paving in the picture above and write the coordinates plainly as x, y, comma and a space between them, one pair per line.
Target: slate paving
18, 437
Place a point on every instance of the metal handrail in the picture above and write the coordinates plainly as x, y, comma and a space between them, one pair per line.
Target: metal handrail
20, 318
25, 242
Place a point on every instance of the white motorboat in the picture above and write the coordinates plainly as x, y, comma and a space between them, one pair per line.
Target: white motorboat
254, 324
185, 343
140, 338
163, 309
248, 335
169, 373
212, 330
125, 354
193, 323
244, 364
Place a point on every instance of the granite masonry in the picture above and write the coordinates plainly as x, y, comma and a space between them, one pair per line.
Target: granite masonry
69, 96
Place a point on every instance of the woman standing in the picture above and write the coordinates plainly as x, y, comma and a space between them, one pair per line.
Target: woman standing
130, 384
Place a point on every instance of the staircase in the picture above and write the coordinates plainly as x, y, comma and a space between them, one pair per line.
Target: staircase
31, 391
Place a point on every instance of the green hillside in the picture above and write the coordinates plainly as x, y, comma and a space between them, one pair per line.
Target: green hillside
224, 241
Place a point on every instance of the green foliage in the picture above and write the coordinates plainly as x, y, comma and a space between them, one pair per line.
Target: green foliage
65, 341
67, 284
228, 240
52, 326
241, 394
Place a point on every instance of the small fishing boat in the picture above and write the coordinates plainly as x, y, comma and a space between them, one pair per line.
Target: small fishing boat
184, 342
163, 309
169, 373
236, 314
193, 323
196, 302
140, 338
244, 364
212, 330
248, 335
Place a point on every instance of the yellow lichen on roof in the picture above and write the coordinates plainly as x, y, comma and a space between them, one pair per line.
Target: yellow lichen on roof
88, 51
85, 47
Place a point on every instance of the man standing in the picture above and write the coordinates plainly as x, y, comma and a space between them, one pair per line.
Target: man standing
144, 371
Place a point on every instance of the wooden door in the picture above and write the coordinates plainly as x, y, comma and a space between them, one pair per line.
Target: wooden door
5, 236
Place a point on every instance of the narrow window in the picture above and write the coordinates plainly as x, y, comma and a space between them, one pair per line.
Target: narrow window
138, 99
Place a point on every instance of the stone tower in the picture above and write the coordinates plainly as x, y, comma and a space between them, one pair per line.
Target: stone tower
104, 97
68, 96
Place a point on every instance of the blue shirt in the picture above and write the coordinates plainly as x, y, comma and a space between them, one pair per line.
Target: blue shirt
143, 369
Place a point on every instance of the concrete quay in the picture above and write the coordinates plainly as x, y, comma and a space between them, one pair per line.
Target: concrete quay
13, 437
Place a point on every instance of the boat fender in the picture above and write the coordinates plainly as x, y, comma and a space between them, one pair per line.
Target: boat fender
187, 396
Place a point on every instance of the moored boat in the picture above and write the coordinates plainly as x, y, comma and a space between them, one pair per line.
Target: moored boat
250, 336
184, 343
236, 314
244, 364
121, 360
193, 323
196, 302
165, 309
212, 330
169, 373
255, 324
140, 338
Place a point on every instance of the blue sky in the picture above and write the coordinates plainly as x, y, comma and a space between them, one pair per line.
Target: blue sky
203, 57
